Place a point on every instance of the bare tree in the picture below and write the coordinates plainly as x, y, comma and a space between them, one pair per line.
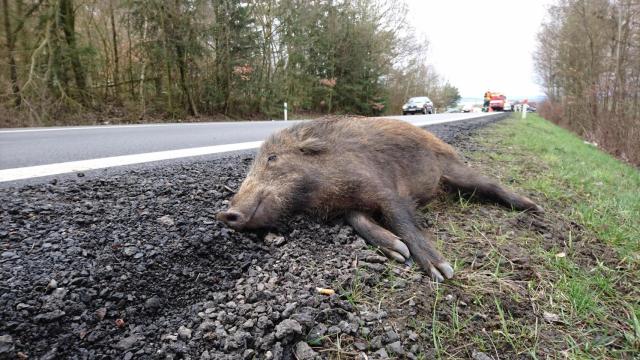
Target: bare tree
587, 61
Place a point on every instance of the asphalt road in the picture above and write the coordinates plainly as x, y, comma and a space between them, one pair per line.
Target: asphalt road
27, 149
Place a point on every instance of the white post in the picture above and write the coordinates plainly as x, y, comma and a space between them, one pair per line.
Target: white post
524, 110
285, 111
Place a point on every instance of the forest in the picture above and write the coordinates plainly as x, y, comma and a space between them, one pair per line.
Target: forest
588, 60
123, 61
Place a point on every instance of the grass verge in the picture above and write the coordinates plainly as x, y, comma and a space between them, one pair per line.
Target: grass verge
590, 260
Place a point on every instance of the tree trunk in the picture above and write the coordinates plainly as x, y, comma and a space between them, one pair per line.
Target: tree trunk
130, 47
67, 18
116, 71
182, 68
167, 62
142, 100
11, 41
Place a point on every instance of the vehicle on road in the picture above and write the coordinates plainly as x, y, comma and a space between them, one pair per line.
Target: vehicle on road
497, 101
507, 106
418, 105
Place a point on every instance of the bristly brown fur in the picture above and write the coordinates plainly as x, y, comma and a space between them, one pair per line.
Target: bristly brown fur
366, 168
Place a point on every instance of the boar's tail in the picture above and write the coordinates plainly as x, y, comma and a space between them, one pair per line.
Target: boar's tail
463, 179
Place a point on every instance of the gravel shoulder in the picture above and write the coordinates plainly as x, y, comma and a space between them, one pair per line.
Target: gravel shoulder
136, 266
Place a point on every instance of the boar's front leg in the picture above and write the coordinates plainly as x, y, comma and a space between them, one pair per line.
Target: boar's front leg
378, 236
399, 217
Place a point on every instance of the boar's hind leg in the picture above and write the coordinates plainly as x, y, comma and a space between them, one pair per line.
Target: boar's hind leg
463, 178
378, 236
399, 217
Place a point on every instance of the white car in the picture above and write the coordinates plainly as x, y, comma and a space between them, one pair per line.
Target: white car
467, 108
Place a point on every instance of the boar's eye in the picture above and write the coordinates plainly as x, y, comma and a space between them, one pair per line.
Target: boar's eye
272, 158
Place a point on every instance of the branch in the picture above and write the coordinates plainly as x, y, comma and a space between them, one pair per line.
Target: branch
123, 82
21, 22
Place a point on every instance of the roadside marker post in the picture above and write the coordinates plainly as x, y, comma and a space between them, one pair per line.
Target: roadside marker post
285, 111
525, 105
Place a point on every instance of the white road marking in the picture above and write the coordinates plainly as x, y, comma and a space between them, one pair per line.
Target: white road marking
106, 127
97, 127
114, 161
101, 163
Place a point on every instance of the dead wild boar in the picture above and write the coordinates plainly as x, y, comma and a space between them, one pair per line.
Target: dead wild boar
372, 171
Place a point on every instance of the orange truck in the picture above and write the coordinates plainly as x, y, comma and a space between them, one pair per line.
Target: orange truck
497, 101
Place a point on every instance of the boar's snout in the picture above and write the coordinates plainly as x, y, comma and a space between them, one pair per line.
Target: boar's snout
233, 218
252, 214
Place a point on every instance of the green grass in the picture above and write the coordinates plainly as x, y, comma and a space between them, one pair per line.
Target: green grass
596, 291
605, 191
562, 285
354, 291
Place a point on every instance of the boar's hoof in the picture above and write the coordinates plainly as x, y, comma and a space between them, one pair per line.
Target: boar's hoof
393, 254
446, 269
397, 250
538, 209
529, 205
401, 248
442, 271
409, 262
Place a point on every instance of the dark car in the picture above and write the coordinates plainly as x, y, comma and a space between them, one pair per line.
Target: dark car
415, 105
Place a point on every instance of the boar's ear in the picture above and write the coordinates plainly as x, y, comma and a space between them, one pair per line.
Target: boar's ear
312, 146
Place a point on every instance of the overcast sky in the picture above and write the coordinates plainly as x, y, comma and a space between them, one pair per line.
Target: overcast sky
482, 45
